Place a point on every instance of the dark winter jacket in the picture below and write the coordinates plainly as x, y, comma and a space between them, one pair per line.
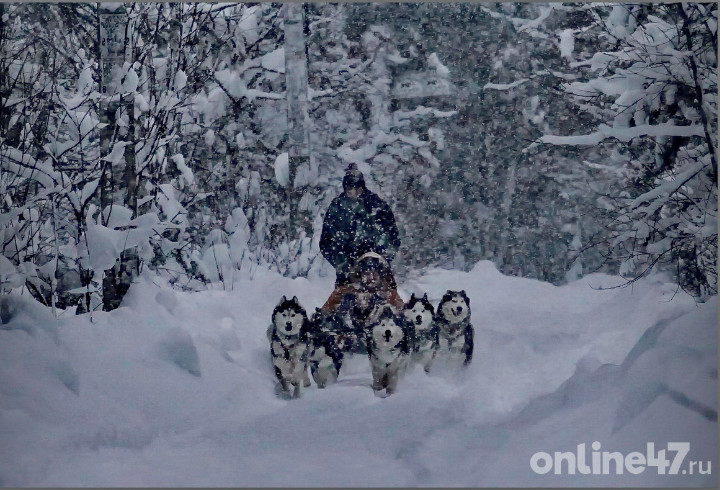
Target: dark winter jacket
354, 227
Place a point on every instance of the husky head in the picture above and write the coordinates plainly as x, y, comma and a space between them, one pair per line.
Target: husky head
454, 307
289, 318
419, 312
388, 332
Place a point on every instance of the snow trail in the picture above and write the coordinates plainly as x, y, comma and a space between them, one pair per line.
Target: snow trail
176, 389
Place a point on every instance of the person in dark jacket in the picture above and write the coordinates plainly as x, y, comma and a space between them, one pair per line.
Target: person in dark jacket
357, 222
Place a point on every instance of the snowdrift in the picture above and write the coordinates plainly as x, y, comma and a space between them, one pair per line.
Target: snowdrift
176, 389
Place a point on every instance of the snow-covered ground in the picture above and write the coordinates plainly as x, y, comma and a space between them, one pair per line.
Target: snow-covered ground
176, 389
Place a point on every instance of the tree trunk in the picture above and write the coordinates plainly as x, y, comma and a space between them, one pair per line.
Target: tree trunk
112, 39
502, 254
698, 89
129, 262
4, 86
296, 80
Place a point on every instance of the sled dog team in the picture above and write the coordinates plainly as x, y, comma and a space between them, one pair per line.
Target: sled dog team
393, 339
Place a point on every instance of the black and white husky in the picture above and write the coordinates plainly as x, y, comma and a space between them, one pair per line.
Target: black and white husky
288, 336
387, 344
455, 332
420, 315
335, 325
325, 359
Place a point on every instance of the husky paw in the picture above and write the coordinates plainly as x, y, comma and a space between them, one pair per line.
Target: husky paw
282, 393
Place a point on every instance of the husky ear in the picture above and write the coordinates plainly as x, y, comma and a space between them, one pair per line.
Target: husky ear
412, 297
465, 296
294, 299
425, 296
283, 299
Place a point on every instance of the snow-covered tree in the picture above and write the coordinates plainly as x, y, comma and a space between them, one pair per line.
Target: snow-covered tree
187, 167
49, 171
654, 96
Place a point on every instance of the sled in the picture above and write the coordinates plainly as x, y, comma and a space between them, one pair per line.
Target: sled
351, 306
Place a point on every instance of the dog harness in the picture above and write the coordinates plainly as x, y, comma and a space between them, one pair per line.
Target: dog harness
425, 339
286, 347
446, 333
394, 353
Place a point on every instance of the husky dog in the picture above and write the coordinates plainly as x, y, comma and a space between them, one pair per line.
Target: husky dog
420, 315
288, 335
455, 332
387, 345
325, 359
337, 326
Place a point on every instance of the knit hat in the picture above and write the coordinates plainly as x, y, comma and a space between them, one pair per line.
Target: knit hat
353, 177
372, 261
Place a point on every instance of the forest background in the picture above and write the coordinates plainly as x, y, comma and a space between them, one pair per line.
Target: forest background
554, 139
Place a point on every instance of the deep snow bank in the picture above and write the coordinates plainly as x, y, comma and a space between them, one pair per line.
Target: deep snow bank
664, 391
176, 389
